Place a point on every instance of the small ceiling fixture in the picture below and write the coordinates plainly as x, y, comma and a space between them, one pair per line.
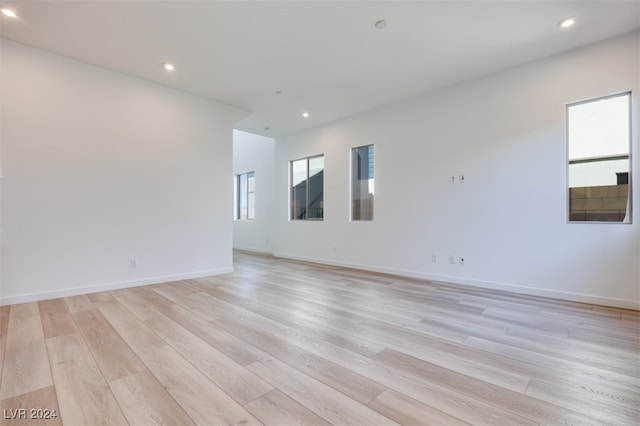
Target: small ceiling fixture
8, 12
168, 66
305, 115
567, 22
381, 24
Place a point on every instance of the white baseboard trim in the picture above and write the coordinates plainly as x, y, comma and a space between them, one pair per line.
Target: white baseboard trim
511, 288
253, 249
74, 291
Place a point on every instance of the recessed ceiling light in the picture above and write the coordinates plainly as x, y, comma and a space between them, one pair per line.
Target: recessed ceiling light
305, 114
566, 23
381, 24
168, 66
8, 12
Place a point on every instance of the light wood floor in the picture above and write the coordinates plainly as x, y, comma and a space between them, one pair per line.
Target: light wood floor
282, 343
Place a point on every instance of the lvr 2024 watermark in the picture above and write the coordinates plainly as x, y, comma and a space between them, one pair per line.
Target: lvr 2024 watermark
29, 413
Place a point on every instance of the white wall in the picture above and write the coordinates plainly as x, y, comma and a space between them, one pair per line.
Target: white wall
100, 168
254, 153
506, 133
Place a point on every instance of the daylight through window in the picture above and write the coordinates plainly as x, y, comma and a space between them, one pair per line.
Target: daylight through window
362, 183
245, 196
307, 188
599, 144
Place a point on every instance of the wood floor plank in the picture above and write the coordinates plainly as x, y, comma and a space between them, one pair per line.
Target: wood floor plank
538, 411
227, 309
482, 365
112, 354
4, 328
342, 379
83, 394
175, 289
201, 304
348, 341
276, 408
203, 400
238, 382
26, 362
240, 351
39, 407
604, 357
101, 297
141, 307
311, 311
526, 320
325, 401
408, 411
79, 303
287, 342
605, 338
56, 318
623, 407
145, 401
153, 297
558, 366
131, 329
452, 403
24, 310
231, 298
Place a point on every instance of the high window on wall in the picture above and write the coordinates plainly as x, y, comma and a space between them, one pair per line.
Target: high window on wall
307, 188
599, 150
362, 182
245, 194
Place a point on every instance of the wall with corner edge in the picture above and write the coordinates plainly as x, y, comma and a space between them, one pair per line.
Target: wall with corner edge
100, 169
506, 133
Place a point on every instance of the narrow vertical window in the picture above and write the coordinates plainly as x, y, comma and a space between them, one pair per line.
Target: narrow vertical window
316, 188
299, 189
599, 150
362, 182
307, 188
251, 195
245, 196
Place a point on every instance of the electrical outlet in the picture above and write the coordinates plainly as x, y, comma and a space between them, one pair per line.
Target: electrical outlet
434, 258
133, 263
461, 178
452, 179
452, 259
461, 260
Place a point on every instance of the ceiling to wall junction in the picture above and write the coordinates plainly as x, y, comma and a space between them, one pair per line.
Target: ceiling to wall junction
280, 59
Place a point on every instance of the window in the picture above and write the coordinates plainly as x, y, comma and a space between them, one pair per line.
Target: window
599, 148
245, 196
307, 188
362, 183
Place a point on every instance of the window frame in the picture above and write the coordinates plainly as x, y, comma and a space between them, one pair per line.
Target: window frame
629, 157
291, 197
352, 152
240, 197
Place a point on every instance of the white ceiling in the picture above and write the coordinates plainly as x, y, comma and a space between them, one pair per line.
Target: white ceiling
326, 57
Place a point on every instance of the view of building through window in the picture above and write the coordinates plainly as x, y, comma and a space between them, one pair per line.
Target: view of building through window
599, 134
307, 188
362, 183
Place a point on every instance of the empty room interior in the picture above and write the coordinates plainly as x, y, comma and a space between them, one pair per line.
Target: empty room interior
319, 212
